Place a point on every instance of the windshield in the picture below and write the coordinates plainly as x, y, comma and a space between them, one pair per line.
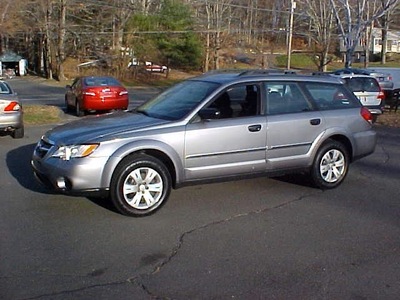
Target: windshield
101, 81
179, 100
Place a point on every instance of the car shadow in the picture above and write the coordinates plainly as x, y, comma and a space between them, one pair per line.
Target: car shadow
19, 165
300, 179
104, 202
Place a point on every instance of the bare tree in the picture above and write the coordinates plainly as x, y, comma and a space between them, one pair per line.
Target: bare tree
216, 23
352, 21
61, 39
321, 20
9, 23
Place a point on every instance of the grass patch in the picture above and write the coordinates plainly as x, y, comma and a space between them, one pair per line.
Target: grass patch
297, 61
41, 114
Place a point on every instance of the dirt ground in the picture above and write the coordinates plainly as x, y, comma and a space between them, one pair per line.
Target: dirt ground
389, 118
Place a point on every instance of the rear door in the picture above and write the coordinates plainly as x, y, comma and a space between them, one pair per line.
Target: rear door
293, 125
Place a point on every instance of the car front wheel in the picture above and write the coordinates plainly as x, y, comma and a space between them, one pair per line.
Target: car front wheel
330, 165
141, 184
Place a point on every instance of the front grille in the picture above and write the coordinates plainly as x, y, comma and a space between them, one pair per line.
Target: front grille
43, 147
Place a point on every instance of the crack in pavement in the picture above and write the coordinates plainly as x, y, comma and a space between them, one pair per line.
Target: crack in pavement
386, 153
175, 250
76, 290
136, 280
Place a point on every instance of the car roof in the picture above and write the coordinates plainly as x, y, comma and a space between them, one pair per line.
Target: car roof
355, 76
357, 71
239, 76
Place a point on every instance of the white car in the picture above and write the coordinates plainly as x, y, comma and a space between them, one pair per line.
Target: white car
367, 90
11, 121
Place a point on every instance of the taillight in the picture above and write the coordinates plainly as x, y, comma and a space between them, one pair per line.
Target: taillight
89, 93
381, 94
13, 106
366, 114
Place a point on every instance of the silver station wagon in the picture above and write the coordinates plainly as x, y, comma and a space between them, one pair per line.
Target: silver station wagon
216, 126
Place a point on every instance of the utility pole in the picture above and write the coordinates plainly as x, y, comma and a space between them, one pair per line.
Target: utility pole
290, 35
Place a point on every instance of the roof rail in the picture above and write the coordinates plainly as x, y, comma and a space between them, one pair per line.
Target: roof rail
266, 72
221, 71
320, 73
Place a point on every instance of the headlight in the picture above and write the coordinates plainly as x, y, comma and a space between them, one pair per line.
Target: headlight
74, 151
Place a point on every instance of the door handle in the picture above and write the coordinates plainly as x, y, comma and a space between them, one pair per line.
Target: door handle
254, 128
315, 121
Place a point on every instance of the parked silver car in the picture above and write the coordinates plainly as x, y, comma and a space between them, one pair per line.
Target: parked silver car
212, 127
11, 115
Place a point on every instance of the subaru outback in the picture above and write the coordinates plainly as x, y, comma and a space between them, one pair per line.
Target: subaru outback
216, 126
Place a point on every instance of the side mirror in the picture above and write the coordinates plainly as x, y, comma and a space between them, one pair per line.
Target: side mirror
209, 113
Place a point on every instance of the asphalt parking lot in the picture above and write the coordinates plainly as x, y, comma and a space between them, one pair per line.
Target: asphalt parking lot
251, 239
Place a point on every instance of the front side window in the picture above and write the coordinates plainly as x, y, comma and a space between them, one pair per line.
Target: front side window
238, 101
285, 97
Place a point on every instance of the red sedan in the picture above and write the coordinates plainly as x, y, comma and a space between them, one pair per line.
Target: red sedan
96, 93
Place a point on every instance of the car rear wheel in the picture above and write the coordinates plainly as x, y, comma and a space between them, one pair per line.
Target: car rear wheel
330, 165
79, 111
141, 184
18, 133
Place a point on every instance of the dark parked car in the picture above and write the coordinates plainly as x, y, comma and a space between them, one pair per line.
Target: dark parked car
11, 115
213, 127
96, 93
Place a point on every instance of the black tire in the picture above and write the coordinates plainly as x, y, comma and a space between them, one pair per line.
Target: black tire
18, 133
133, 193
330, 166
67, 107
79, 111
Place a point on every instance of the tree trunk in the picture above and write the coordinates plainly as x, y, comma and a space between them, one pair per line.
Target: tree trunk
61, 41
385, 27
48, 66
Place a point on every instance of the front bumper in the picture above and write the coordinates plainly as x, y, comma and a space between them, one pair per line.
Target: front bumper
75, 176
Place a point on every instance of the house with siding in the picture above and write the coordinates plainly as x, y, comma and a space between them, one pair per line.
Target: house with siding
393, 44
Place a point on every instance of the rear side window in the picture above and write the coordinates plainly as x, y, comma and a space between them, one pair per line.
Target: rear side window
284, 98
331, 96
362, 84
4, 88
